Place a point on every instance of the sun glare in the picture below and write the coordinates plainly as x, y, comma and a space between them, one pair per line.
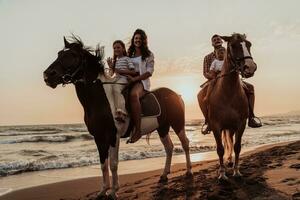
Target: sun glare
188, 91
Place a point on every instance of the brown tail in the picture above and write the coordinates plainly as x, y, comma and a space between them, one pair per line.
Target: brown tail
228, 144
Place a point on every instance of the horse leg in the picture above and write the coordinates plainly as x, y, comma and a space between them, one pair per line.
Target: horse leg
168, 145
103, 152
237, 150
220, 151
114, 161
105, 177
185, 143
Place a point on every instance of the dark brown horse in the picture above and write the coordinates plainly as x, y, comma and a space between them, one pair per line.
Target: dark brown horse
228, 105
76, 64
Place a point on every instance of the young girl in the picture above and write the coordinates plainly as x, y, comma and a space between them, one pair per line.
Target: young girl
215, 69
122, 66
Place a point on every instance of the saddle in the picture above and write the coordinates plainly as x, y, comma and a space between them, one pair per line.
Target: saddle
149, 104
150, 108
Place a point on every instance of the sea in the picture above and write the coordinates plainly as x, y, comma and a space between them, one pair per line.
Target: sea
41, 147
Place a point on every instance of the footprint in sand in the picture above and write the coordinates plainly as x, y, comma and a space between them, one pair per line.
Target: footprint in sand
296, 196
295, 166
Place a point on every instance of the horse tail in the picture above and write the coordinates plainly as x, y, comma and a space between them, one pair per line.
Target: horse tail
228, 145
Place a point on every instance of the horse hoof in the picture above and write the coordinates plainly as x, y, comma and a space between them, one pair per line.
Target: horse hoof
223, 177
230, 164
112, 196
223, 181
163, 179
189, 175
101, 196
237, 174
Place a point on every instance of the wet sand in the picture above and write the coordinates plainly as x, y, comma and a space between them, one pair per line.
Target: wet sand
269, 172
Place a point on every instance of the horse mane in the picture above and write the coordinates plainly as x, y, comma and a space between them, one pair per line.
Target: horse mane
97, 53
238, 35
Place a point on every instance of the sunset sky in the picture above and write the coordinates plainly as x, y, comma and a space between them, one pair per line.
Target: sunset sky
31, 34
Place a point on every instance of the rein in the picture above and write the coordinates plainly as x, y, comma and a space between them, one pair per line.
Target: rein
236, 68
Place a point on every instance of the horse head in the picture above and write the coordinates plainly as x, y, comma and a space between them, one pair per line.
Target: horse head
239, 54
75, 62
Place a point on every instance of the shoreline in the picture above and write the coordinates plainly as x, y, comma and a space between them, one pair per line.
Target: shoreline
90, 175
128, 167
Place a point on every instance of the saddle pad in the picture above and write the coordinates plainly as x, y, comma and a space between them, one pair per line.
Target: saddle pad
150, 105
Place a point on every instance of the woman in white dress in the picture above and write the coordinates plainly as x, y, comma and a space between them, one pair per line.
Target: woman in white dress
143, 61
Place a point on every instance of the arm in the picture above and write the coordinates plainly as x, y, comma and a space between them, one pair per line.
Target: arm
140, 77
125, 72
206, 69
149, 70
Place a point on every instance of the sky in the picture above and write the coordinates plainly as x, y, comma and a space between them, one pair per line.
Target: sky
179, 32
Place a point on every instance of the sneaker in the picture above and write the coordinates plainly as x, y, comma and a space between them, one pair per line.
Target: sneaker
120, 119
133, 138
254, 122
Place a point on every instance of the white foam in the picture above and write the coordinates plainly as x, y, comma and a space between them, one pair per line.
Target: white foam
4, 191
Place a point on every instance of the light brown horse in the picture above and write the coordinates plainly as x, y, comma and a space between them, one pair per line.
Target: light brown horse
227, 104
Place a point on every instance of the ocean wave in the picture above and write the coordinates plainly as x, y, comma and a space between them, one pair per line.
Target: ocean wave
45, 132
47, 138
16, 167
283, 134
34, 130
46, 160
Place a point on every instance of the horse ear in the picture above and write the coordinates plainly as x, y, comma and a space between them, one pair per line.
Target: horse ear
226, 38
67, 44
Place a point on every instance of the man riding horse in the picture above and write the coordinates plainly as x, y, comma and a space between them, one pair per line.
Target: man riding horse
248, 88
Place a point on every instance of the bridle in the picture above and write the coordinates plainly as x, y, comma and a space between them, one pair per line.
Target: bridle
236, 63
69, 77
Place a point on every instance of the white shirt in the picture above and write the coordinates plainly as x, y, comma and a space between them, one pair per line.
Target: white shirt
123, 63
143, 66
216, 65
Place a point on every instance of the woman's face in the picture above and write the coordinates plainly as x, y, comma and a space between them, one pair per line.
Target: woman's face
118, 49
137, 40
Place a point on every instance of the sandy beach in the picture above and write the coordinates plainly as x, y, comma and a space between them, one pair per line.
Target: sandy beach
269, 172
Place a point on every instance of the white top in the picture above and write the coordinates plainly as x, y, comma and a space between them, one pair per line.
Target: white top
136, 61
123, 63
216, 65
143, 66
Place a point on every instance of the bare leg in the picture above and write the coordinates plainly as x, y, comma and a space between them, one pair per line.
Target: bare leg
168, 145
186, 147
220, 151
135, 94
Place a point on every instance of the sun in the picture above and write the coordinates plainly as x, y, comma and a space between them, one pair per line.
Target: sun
188, 91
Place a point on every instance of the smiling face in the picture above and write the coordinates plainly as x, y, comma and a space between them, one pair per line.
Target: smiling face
137, 40
220, 53
216, 41
119, 50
